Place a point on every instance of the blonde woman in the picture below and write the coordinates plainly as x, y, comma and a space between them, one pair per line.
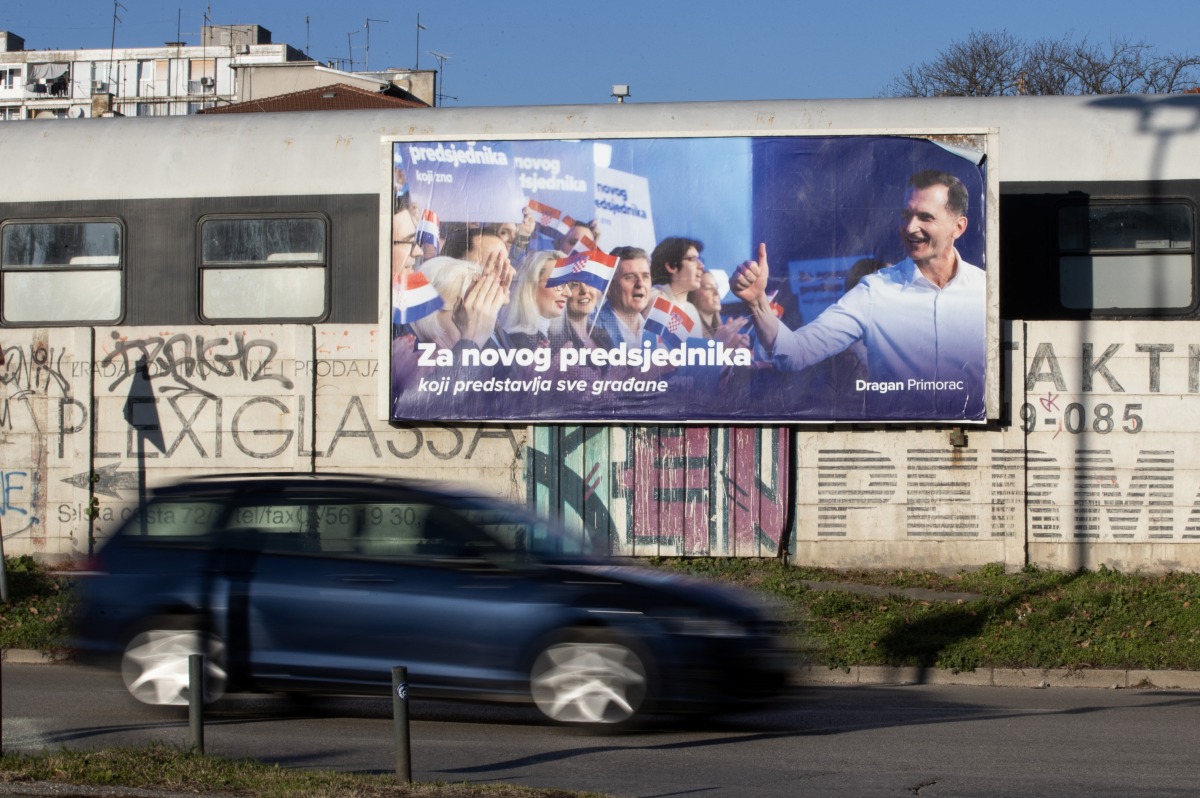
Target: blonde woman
574, 327
534, 306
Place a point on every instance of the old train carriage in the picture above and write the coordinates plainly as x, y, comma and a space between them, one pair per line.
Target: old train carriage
201, 294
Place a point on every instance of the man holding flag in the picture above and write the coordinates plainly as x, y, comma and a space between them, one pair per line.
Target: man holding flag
620, 318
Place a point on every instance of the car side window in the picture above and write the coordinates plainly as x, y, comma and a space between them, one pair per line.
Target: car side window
420, 530
393, 529
297, 526
178, 521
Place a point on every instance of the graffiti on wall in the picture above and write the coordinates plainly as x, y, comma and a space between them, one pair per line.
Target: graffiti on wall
184, 361
29, 373
667, 490
76, 428
1095, 451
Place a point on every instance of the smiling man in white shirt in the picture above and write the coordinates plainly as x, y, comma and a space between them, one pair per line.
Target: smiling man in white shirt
922, 320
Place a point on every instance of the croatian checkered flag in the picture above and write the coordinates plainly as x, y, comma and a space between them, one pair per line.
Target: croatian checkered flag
669, 322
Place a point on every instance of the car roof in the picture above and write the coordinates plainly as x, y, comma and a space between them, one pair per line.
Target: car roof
259, 480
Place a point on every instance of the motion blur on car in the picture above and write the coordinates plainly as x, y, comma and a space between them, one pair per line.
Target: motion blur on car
321, 584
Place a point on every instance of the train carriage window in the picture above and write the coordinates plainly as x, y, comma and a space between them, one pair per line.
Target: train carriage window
61, 271
263, 268
1123, 256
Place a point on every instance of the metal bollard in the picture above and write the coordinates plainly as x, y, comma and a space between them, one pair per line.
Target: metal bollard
400, 716
196, 700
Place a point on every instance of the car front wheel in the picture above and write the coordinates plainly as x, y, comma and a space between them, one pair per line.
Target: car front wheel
589, 678
155, 664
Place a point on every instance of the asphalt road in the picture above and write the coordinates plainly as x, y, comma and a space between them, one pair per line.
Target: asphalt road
929, 741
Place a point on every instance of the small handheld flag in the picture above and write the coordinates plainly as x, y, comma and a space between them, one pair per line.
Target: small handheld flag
592, 267
413, 298
669, 322
428, 230
550, 220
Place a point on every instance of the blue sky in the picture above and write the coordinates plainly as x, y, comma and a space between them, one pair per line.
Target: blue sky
527, 53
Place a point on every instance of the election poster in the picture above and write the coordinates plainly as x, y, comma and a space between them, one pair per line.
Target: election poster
734, 279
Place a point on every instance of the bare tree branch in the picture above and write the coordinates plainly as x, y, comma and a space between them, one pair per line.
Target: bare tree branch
997, 64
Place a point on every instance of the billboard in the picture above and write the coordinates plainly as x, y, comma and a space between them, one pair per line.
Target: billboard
723, 279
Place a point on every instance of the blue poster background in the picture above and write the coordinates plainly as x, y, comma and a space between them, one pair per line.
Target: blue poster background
819, 203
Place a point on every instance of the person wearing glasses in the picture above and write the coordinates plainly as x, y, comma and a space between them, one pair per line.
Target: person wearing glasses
406, 252
675, 269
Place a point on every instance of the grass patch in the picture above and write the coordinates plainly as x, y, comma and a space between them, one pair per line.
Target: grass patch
168, 768
38, 611
1034, 618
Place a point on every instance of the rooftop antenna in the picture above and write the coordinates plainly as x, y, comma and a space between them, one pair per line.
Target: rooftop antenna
112, 45
307, 32
350, 47
420, 28
367, 67
441, 58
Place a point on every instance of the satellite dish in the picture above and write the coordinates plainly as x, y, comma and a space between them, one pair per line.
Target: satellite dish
76, 112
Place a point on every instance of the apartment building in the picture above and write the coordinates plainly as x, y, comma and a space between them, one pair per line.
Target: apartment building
232, 63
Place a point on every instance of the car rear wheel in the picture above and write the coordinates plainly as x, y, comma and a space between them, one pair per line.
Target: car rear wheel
589, 678
155, 663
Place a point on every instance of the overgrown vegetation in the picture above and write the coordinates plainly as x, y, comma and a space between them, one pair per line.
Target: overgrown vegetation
1033, 619
167, 768
37, 614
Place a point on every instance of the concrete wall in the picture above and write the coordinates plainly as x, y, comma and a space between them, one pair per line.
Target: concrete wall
1096, 463
78, 418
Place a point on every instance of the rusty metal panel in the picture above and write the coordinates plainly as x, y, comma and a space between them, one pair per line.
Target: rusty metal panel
667, 491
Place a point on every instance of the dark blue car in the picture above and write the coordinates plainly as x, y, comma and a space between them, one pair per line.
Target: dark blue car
321, 584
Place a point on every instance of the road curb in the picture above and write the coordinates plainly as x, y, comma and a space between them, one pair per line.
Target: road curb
26, 656
1101, 678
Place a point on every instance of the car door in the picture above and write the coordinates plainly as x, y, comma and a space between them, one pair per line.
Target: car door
355, 582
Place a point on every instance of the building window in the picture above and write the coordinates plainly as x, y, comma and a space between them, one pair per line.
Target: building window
9, 112
152, 78
51, 79
263, 268
56, 272
10, 78
1127, 256
202, 76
